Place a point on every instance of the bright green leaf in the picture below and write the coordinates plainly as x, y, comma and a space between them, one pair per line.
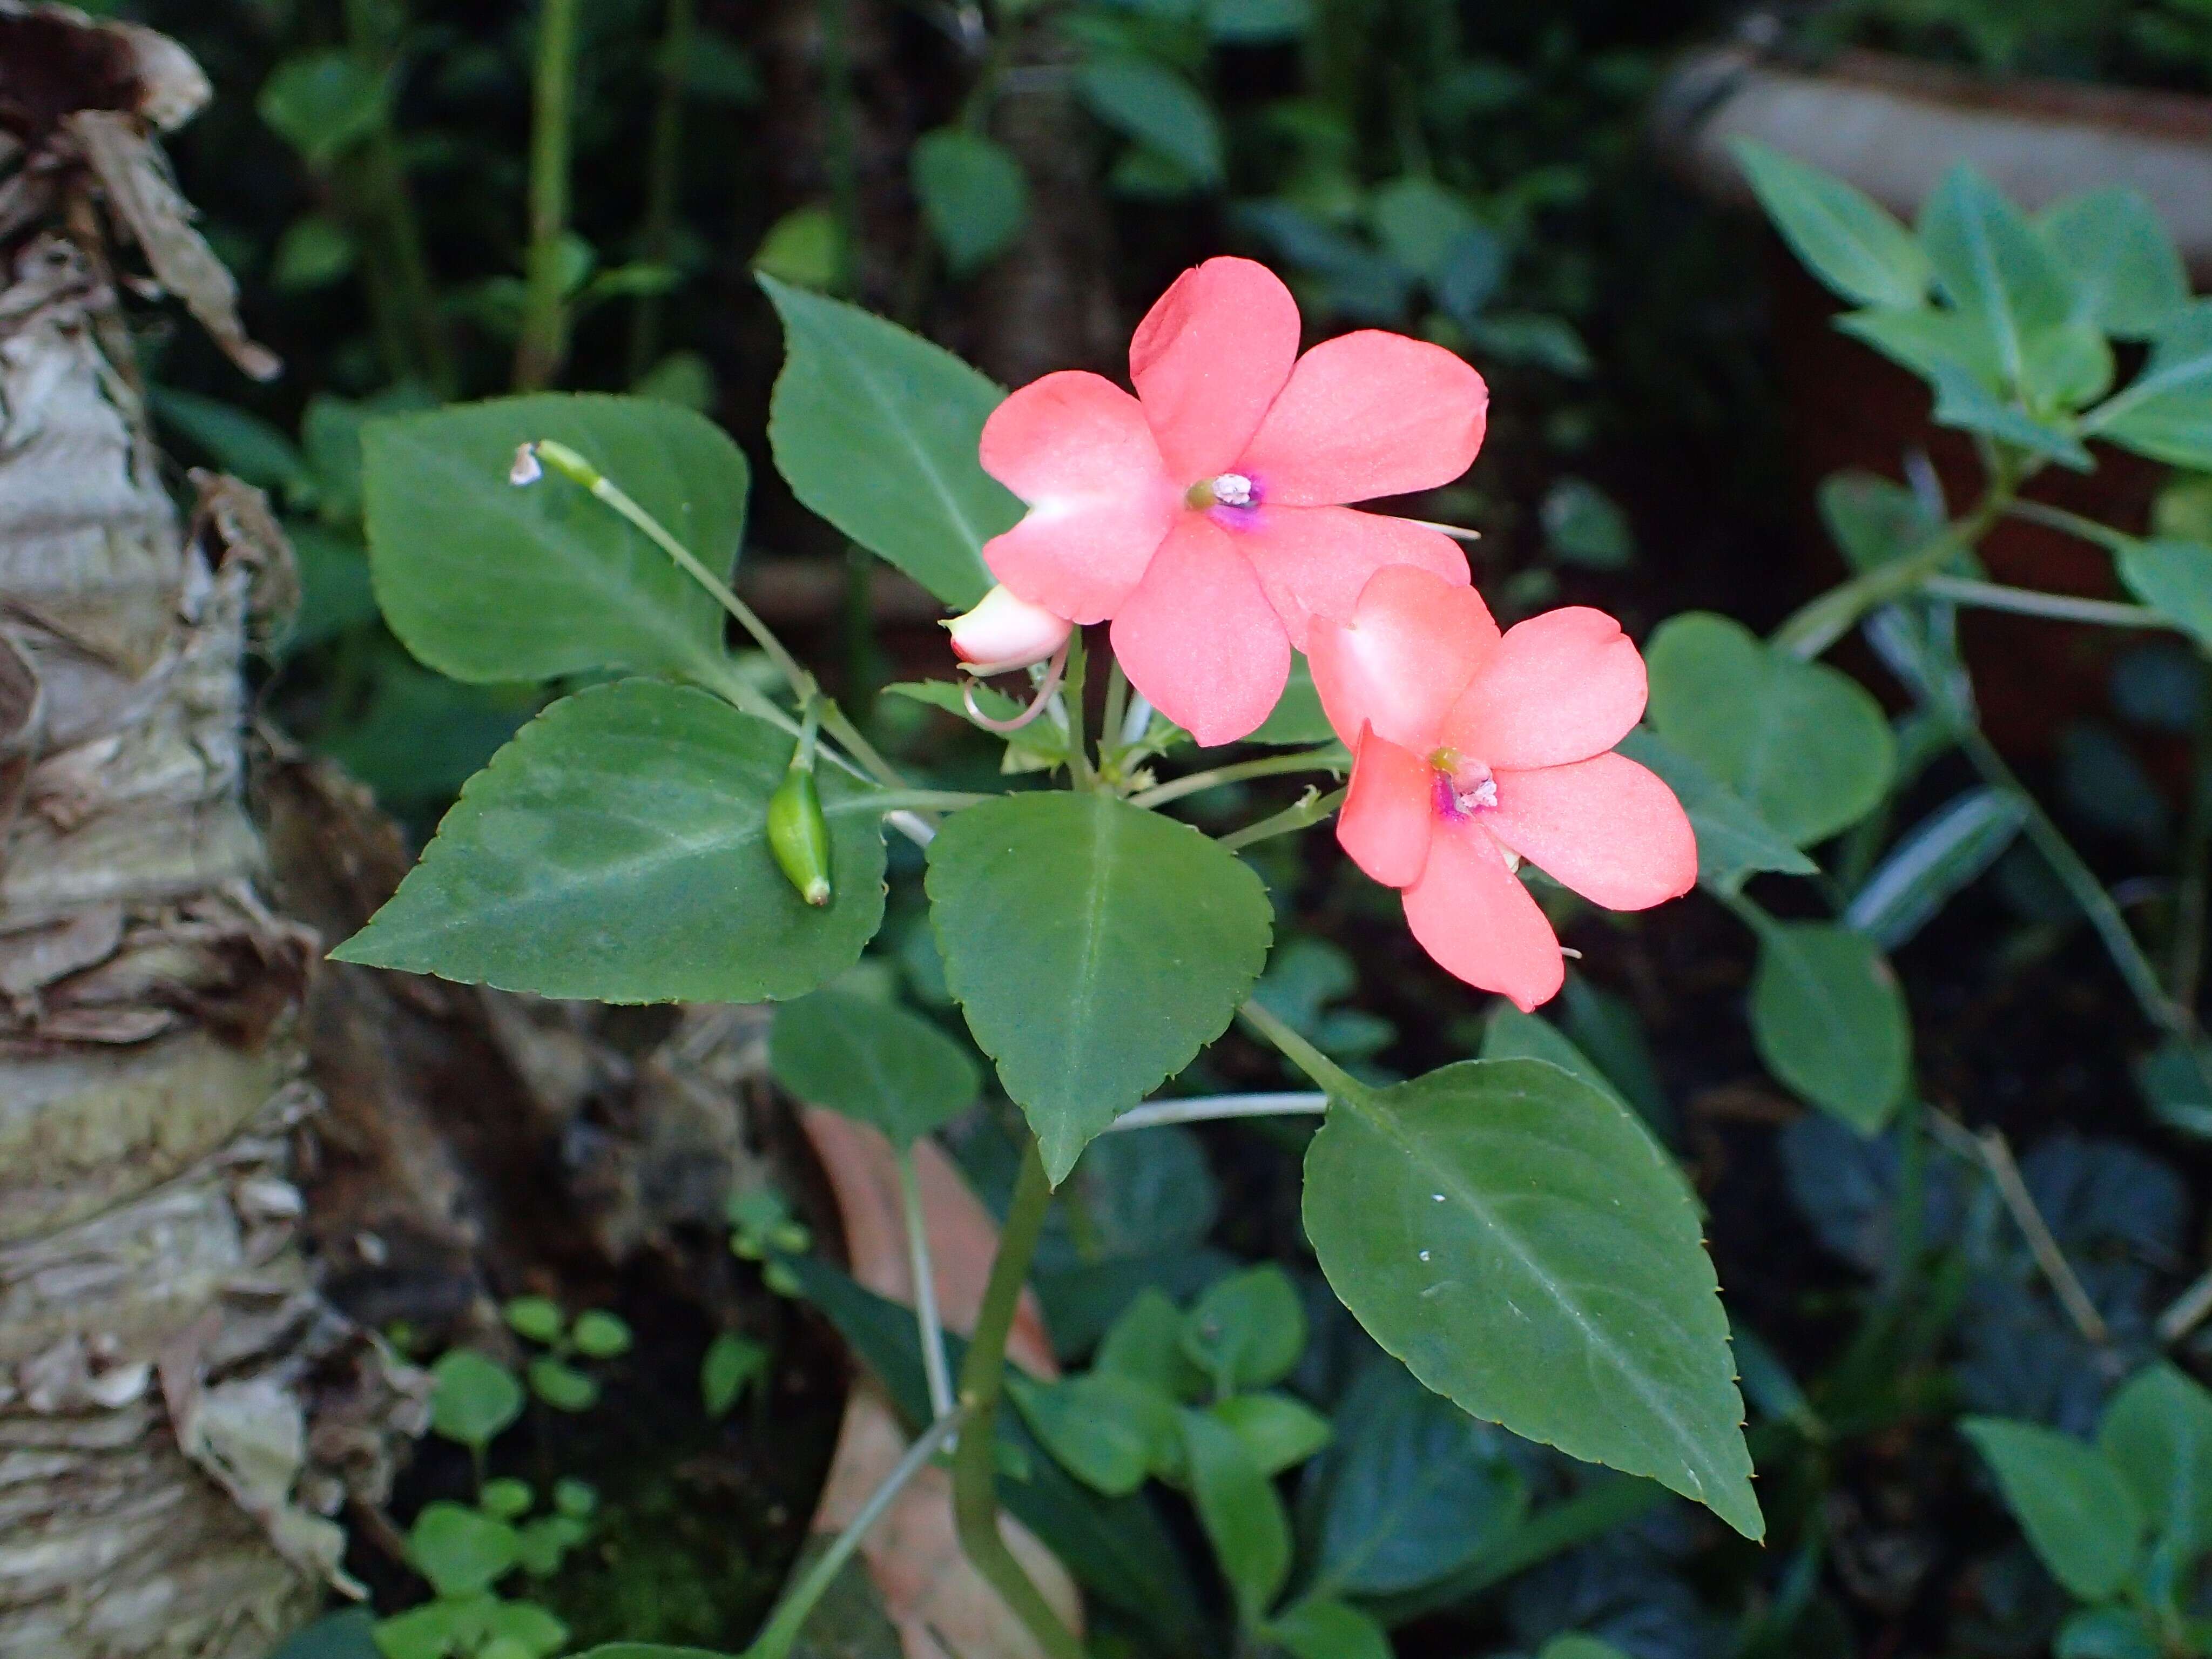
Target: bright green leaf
537, 1317
617, 850
1413, 1489
313, 252
1574, 1645
1246, 1331
1845, 238
1830, 1021
1328, 1629
2173, 577
1238, 1507
1938, 857
1963, 402
599, 1334
974, 196
1145, 1342
2166, 412
732, 1363
1279, 1432
574, 1498
1109, 1431
1929, 343
531, 1629
1095, 948
1518, 1239
804, 248
2127, 275
561, 1386
1989, 260
2157, 1432
1805, 745
876, 430
1157, 108
459, 1550
506, 1497
1297, 719
2072, 1503
474, 1398
455, 548
873, 1062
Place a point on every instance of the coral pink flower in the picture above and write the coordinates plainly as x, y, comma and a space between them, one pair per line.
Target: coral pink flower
1204, 515
1473, 750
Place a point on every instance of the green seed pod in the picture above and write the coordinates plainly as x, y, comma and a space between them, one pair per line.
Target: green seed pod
798, 836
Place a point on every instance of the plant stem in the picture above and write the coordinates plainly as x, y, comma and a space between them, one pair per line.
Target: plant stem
798, 1605
664, 179
543, 342
975, 1474
413, 331
1299, 815
1990, 1150
1340, 1083
2057, 518
1214, 1109
1115, 711
932, 1329
2026, 602
1328, 757
926, 800
1079, 774
1815, 626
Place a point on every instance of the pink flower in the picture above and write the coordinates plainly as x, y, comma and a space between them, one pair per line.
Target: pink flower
1003, 632
1205, 514
1473, 750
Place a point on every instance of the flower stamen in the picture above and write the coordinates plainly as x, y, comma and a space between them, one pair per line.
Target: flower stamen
1229, 489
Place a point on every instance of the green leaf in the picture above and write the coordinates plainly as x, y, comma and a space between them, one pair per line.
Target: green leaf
486, 581
1247, 1330
459, 1550
972, 195
1327, 1629
1144, 1342
804, 247
1279, 1432
545, 1542
1095, 948
2126, 273
1584, 526
876, 430
1805, 745
1830, 1021
873, 1062
1107, 1431
323, 104
1845, 238
574, 1498
732, 1364
537, 1317
1297, 719
599, 1334
1421, 223
1964, 402
2157, 1432
1238, 1506
2173, 577
2106, 1633
2166, 412
1516, 1237
474, 1399
617, 850
506, 1497
1938, 858
561, 1386
1157, 107
236, 439
1994, 267
1251, 23
1574, 1645
1929, 343
533, 1630
1872, 519
1733, 841
2072, 1503
432, 1631
344, 1635
1413, 1489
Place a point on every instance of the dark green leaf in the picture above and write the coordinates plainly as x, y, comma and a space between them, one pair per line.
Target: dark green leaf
972, 195
1938, 857
1964, 402
1805, 745
1238, 1506
873, 1062
2072, 1503
617, 850
1146, 1343
1240, 22
323, 104
1517, 1238
1989, 260
1095, 948
2157, 1432
334, 1636
1845, 238
1327, 1629
1830, 1020
2106, 1633
1247, 1331
1154, 106
236, 439
1733, 841
876, 430
1873, 520
2173, 577
2166, 412
1584, 526
455, 548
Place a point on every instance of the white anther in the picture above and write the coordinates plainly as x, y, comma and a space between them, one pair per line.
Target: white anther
1233, 489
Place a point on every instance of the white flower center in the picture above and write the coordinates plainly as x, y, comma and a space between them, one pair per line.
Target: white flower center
1233, 489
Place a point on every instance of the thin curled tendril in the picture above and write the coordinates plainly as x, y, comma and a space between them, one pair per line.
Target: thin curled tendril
1050, 684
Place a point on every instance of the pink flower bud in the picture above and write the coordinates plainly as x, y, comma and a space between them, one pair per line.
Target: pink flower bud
1004, 632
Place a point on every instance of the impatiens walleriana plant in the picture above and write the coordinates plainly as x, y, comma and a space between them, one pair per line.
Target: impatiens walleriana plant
695, 823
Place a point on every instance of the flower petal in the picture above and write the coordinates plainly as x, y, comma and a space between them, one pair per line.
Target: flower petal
1413, 642
1315, 561
1605, 827
1075, 446
1208, 359
1390, 812
1199, 638
1472, 914
1560, 687
1365, 415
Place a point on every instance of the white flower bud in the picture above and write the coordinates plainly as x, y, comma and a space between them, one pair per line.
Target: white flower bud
1004, 632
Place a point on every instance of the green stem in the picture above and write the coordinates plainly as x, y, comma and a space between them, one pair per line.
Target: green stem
1339, 1083
1214, 1109
927, 800
1328, 757
931, 1329
1116, 708
410, 327
2026, 602
792, 1613
1079, 775
1816, 626
664, 181
982, 1374
2057, 518
543, 342
1299, 815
